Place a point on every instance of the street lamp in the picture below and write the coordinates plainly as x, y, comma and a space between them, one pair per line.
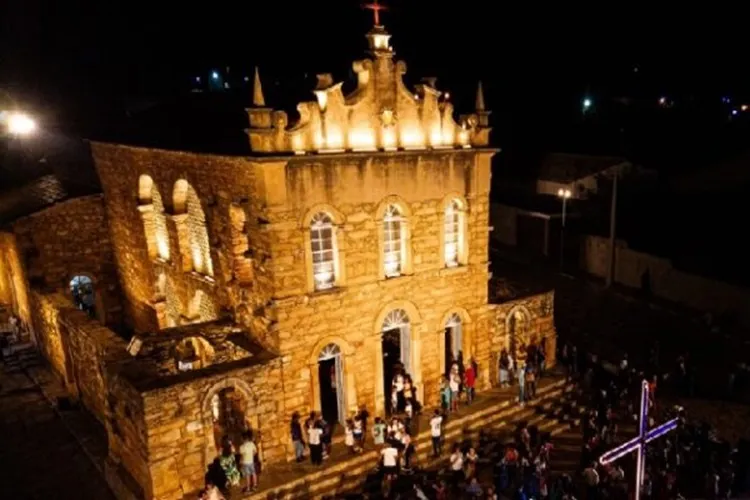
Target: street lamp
563, 194
20, 124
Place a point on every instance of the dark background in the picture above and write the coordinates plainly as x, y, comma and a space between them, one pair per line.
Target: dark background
99, 70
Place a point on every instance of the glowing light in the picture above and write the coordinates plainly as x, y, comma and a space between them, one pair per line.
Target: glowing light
447, 95
297, 143
215, 75
448, 137
361, 139
412, 138
436, 137
322, 96
638, 443
389, 138
743, 107
323, 280
734, 112
463, 138
162, 247
587, 103
21, 124
197, 259
564, 193
334, 138
662, 101
380, 41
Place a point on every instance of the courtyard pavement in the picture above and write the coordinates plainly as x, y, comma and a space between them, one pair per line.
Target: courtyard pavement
40, 456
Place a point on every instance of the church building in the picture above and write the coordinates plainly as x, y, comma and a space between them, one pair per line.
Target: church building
353, 239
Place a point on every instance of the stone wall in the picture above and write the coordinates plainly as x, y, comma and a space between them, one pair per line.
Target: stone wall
641, 270
230, 193
355, 189
177, 424
77, 347
70, 239
13, 282
536, 327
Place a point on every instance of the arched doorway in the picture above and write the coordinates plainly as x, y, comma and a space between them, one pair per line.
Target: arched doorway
331, 379
453, 340
396, 341
82, 289
518, 325
228, 412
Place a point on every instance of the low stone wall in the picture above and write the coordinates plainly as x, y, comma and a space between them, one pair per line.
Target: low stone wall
180, 427
534, 323
656, 275
69, 239
77, 347
13, 282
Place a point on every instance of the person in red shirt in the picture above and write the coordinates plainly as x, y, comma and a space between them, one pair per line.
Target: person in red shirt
470, 379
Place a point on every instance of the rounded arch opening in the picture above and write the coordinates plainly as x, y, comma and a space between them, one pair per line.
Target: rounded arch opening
83, 294
518, 326
228, 409
145, 189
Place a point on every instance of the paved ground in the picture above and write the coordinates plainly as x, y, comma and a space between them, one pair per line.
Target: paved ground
40, 457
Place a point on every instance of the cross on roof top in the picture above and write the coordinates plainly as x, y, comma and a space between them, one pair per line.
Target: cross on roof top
375, 7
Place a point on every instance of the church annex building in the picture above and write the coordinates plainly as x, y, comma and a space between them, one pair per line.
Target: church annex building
292, 280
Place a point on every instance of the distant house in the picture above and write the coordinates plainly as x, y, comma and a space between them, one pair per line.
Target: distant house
582, 174
530, 222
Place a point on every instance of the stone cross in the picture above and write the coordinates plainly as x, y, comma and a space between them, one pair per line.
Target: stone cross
375, 7
638, 443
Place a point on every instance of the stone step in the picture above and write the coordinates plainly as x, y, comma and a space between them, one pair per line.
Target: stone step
351, 473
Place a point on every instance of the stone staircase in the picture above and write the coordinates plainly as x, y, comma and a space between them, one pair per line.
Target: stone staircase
554, 411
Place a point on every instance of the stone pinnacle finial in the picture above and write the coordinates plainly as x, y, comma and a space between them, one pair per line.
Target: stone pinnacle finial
479, 105
258, 99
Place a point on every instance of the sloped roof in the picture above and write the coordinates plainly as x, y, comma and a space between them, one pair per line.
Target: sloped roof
564, 167
31, 184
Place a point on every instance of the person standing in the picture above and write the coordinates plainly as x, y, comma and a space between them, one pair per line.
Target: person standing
470, 380
436, 431
248, 452
521, 373
297, 439
314, 432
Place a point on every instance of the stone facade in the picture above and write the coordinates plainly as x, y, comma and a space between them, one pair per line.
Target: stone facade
245, 279
66, 240
13, 282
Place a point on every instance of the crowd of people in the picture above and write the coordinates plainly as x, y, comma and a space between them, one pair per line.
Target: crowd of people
690, 461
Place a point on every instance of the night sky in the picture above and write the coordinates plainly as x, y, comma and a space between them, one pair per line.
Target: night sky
74, 59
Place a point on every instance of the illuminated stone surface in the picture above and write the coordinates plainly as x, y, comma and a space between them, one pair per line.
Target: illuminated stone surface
213, 257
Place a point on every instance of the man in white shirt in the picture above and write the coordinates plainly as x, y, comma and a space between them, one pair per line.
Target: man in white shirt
436, 431
390, 460
248, 451
313, 440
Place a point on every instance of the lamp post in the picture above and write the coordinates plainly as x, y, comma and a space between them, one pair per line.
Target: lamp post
563, 194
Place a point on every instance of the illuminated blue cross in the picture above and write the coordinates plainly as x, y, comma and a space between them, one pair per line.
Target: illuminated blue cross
638, 443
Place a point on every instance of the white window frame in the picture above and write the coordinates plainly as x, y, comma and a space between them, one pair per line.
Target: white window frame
323, 259
453, 237
393, 241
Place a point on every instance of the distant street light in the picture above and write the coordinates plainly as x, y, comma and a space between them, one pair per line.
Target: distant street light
20, 124
563, 194
587, 103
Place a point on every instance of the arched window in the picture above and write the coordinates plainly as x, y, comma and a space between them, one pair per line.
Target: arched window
396, 332
154, 220
454, 233
82, 289
323, 248
197, 246
394, 244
